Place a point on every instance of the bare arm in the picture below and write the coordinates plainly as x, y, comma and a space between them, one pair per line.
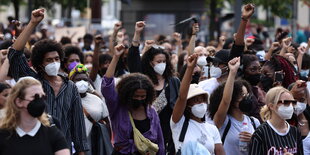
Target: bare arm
94, 70
191, 45
221, 113
301, 52
36, 18
63, 152
219, 149
112, 39
178, 38
247, 12
274, 46
118, 50
4, 70
180, 104
138, 30
285, 44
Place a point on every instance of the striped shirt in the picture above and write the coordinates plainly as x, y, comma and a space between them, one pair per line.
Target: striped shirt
267, 141
66, 106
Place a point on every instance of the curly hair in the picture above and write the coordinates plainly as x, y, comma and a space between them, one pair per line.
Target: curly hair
71, 49
216, 96
247, 59
40, 49
132, 82
148, 70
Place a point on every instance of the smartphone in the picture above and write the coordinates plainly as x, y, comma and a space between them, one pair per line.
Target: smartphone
279, 76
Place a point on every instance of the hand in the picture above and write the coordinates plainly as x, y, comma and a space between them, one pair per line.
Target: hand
234, 64
274, 46
247, 11
139, 26
119, 50
117, 26
98, 40
286, 42
245, 136
148, 44
222, 40
192, 60
301, 50
195, 28
177, 37
120, 37
37, 16
298, 91
286, 153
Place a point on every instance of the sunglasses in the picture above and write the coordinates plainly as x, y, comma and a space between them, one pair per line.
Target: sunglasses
287, 102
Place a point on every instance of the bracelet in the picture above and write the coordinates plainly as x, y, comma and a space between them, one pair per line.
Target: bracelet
244, 19
135, 41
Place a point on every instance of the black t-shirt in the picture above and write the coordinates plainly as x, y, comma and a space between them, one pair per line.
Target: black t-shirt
143, 125
47, 141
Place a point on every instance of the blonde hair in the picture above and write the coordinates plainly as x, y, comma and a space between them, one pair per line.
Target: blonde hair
272, 97
12, 112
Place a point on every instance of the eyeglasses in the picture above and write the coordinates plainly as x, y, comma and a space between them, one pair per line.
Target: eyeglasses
287, 102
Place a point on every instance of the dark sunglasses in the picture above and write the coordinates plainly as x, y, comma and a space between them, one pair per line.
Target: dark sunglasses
288, 102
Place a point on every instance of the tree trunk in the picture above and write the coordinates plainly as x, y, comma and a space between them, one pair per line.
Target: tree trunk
16, 8
212, 26
95, 11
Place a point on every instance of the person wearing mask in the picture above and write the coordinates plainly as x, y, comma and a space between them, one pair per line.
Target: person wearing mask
25, 128
62, 97
95, 110
228, 105
156, 64
4, 92
276, 136
133, 96
191, 108
73, 56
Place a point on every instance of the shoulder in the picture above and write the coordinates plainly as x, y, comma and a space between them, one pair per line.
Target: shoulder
211, 127
174, 79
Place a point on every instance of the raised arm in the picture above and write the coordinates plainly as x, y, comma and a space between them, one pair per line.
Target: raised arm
36, 17
301, 53
285, 44
220, 46
147, 45
221, 113
95, 68
138, 30
112, 39
192, 41
118, 50
273, 47
180, 104
178, 38
247, 12
4, 69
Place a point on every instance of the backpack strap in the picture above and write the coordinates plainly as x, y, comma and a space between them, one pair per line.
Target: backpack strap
226, 131
184, 129
253, 123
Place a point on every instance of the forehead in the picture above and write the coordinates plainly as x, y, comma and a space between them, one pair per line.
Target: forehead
286, 96
254, 64
159, 57
32, 90
74, 56
80, 76
52, 54
140, 92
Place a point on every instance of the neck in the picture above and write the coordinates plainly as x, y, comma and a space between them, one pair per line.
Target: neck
237, 114
277, 122
50, 78
27, 122
159, 77
83, 95
196, 118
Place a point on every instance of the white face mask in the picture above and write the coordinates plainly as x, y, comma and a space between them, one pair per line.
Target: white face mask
285, 112
215, 72
160, 68
82, 86
299, 108
52, 68
199, 110
202, 61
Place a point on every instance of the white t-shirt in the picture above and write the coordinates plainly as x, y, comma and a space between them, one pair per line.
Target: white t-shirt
306, 144
231, 143
204, 133
209, 85
97, 83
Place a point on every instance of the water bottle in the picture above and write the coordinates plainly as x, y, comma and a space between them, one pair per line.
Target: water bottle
243, 146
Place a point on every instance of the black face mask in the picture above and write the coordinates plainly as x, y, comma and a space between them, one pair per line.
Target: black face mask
37, 106
195, 78
245, 104
135, 104
253, 79
266, 82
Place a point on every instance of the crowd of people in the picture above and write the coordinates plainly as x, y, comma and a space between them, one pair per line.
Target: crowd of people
170, 95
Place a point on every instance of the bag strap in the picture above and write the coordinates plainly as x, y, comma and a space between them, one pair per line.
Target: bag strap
253, 123
131, 121
184, 129
88, 116
226, 131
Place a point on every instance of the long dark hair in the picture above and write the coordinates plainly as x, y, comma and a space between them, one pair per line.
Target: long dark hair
148, 70
130, 83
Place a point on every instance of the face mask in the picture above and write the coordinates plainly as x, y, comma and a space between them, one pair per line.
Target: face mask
88, 66
285, 112
135, 104
304, 73
36, 107
299, 108
202, 61
72, 65
199, 110
160, 68
195, 78
82, 86
215, 72
266, 82
245, 104
253, 79
52, 69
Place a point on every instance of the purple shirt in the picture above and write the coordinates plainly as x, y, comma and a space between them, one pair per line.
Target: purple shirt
122, 128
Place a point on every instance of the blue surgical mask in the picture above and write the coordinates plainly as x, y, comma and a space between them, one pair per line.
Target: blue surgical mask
304, 72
